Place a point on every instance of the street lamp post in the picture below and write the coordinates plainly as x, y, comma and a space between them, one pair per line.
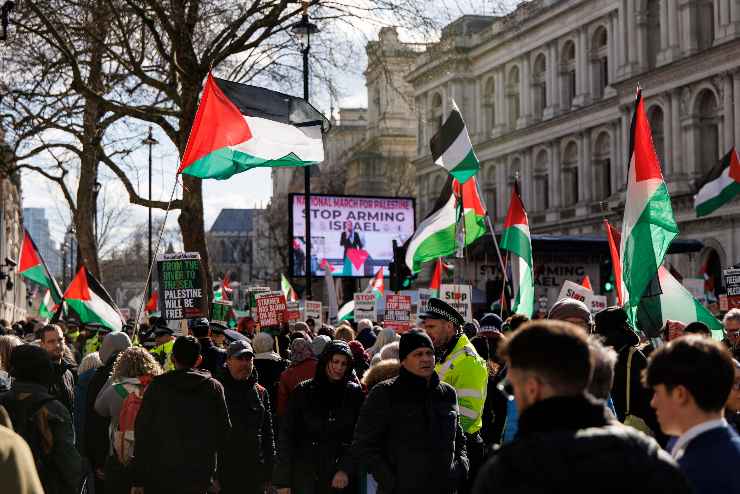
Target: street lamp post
150, 141
304, 29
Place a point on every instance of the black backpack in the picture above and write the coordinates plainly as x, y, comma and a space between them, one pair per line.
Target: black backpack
23, 415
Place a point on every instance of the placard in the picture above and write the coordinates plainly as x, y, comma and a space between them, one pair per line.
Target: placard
180, 286
221, 311
397, 313
732, 282
312, 309
292, 311
365, 306
424, 295
460, 298
253, 292
598, 303
575, 291
271, 309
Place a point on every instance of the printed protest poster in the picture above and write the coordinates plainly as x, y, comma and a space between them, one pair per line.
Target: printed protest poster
271, 309
575, 291
397, 313
598, 303
459, 297
313, 310
221, 311
732, 282
424, 295
292, 311
253, 292
180, 286
365, 306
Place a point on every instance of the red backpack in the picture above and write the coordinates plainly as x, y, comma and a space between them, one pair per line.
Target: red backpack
123, 436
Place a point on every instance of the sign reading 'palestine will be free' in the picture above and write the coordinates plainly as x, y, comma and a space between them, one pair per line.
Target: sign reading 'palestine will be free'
180, 286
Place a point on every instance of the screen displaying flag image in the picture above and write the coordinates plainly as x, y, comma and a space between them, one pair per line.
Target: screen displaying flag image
353, 233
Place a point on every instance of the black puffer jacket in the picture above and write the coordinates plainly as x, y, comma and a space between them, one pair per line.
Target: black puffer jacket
63, 384
250, 446
568, 444
316, 432
409, 436
182, 423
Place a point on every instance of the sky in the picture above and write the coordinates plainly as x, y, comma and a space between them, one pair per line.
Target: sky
251, 189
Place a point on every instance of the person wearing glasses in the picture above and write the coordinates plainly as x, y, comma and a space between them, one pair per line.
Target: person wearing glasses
731, 322
732, 407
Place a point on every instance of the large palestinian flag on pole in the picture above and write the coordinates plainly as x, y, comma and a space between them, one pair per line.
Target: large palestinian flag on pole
516, 239
436, 235
719, 186
239, 127
47, 306
648, 226
614, 238
32, 267
92, 303
287, 289
676, 303
452, 149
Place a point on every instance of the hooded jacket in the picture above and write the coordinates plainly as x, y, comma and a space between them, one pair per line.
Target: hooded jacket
409, 437
183, 421
251, 444
569, 444
292, 377
382, 371
316, 431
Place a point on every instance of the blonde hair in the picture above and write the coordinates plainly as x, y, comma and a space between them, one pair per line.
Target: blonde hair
89, 361
134, 362
7, 343
344, 333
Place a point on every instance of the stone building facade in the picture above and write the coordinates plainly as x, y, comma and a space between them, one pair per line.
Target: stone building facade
548, 91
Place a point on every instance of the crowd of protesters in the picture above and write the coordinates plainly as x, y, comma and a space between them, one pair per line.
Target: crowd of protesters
573, 401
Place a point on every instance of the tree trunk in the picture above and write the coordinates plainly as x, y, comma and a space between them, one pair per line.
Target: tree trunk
84, 214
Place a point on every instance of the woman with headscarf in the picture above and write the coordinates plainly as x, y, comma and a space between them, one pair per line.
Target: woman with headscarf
316, 431
268, 364
133, 370
386, 336
302, 368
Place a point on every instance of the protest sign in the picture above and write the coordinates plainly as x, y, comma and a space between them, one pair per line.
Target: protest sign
270, 309
575, 291
252, 293
424, 295
221, 311
312, 310
397, 313
732, 282
292, 311
365, 306
598, 303
460, 298
180, 286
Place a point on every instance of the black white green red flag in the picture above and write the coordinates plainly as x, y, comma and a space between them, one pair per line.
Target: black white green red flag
648, 225
238, 127
452, 149
32, 267
92, 303
719, 186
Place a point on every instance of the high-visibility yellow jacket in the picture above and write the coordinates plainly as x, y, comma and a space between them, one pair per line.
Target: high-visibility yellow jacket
163, 354
466, 371
91, 345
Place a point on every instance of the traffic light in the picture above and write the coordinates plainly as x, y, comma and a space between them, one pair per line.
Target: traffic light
606, 276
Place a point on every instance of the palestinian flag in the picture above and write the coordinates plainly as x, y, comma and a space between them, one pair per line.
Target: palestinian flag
153, 303
436, 277
436, 235
452, 149
677, 304
721, 184
32, 267
648, 226
516, 239
47, 306
377, 285
239, 127
615, 238
92, 303
586, 283
287, 289
346, 312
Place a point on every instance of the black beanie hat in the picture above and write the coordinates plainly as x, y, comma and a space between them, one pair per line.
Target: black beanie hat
411, 340
31, 363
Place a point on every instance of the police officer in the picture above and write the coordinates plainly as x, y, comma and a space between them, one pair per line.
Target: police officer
459, 365
164, 339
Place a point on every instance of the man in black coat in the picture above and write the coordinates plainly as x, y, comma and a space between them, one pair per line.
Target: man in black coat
182, 424
566, 442
213, 356
251, 445
64, 372
408, 435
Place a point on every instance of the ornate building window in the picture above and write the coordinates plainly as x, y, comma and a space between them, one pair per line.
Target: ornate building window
512, 93
436, 113
541, 199
600, 61
539, 85
705, 24
602, 167
708, 115
489, 104
570, 174
568, 74
653, 31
